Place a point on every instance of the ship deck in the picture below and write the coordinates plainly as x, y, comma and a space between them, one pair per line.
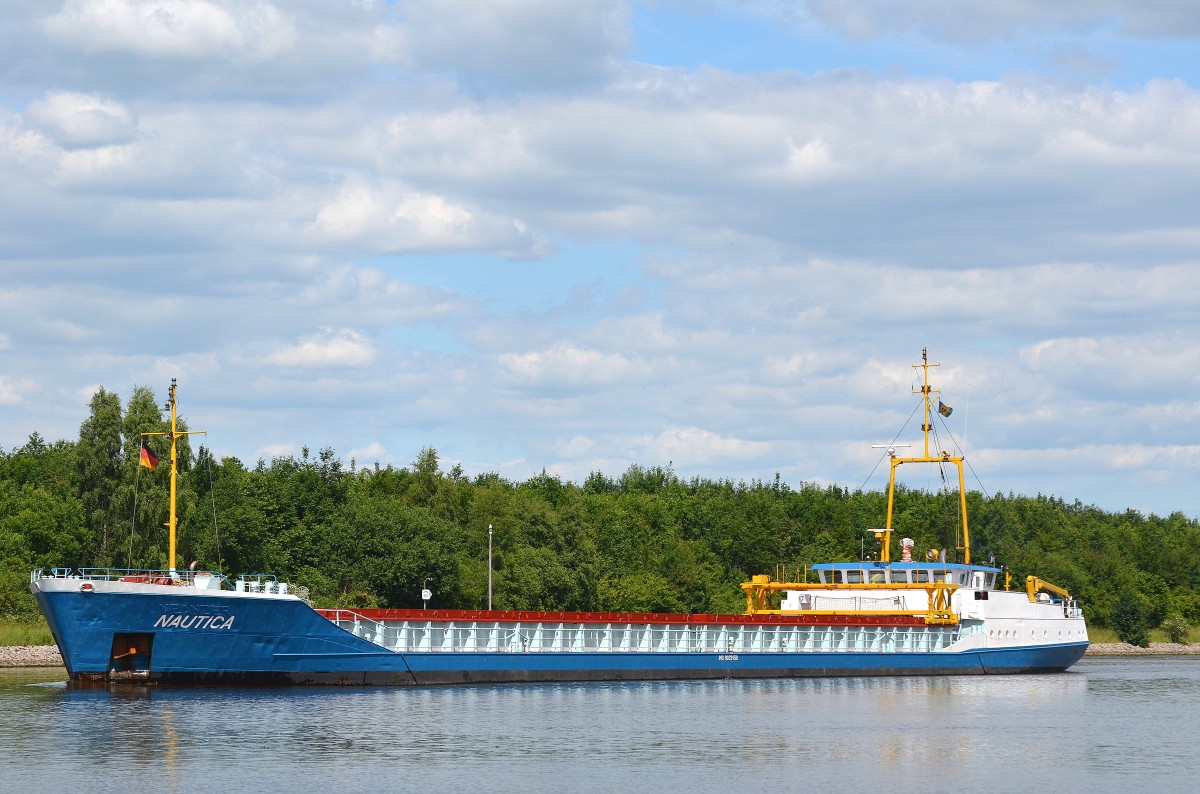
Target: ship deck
482, 631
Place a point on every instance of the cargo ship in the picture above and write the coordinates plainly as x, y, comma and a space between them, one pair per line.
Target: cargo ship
932, 615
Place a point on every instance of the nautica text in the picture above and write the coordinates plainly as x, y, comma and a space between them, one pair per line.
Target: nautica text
194, 622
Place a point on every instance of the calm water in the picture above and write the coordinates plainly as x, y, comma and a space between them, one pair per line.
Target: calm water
1109, 725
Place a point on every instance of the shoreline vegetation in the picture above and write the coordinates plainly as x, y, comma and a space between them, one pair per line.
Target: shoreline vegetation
48, 655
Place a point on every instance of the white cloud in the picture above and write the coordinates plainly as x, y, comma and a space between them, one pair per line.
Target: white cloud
15, 391
22, 150
1140, 464
1151, 367
342, 347
368, 455
568, 365
926, 165
359, 211
695, 447
576, 447
280, 450
395, 219
173, 29
81, 120
969, 24
516, 42
376, 297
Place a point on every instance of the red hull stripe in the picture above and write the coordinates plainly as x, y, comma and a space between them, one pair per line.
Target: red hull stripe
512, 616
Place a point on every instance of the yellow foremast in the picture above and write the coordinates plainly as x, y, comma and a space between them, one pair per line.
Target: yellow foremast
174, 435
943, 457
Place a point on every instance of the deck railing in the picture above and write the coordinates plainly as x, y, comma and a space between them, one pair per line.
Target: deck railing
207, 580
185, 577
417, 636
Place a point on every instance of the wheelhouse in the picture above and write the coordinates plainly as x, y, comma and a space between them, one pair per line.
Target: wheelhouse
978, 577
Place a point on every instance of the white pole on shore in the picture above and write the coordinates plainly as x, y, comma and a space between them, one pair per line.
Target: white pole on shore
489, 566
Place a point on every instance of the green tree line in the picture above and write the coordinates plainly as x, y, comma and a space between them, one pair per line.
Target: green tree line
646, 540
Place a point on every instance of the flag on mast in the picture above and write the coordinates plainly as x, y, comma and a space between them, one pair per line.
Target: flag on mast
148, 458
943, 409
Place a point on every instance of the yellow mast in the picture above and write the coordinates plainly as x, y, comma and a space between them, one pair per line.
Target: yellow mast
173, 435
943, 457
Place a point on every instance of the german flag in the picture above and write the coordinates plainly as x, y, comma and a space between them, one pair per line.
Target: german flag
148, 458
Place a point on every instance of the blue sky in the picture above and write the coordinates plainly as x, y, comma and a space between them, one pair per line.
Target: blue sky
573, 236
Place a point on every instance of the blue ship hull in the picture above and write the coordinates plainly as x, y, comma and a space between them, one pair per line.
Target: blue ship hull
233, 639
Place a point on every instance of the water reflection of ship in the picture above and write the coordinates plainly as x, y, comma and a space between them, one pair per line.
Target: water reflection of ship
928, 713
915, 722
148, 733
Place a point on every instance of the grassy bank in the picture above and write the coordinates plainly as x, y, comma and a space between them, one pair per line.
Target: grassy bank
1100, 634
24, 632
1097, 634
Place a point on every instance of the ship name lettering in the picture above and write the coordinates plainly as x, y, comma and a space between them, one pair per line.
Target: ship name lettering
194, 622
